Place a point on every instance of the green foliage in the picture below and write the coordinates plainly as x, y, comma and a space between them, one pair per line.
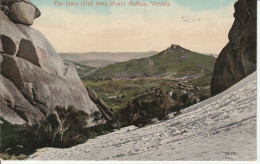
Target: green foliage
63, 128
97, 117
81, 69
12, 137
143, 109
203, 97
62, 123
118, 94
172, 65
140, 102
162, 104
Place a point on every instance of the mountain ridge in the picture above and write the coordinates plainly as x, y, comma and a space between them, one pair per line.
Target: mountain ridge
102, 59
174, 62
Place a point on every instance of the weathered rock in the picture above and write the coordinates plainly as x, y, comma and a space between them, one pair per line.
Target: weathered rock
10, 116
14, 107
34, 79
5, 9
174, 48
8, 46
238, 59
10, 30
45, 91
23, 12
35, 55
10, 70
104, 109
53, 60
28, 52
72, 75
49, 59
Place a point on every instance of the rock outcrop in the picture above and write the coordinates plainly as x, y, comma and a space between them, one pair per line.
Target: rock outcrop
238, 59
21, 11
174, 48
33, 77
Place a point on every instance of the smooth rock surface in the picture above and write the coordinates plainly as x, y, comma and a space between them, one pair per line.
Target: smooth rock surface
53, 60
14, 107
9, 29
238, 59
38, 80
220, 128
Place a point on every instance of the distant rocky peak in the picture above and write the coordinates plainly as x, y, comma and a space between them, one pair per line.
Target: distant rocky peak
174, 48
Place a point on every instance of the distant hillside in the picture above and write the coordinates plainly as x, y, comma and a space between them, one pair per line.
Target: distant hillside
175, 62
97, 63
102, 59
81, 69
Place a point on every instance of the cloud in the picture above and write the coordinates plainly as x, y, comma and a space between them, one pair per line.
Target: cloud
136, 29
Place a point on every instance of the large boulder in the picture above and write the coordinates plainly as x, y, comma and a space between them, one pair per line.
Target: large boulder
22, 11
238, 59
28, 43
44, 90
34, 79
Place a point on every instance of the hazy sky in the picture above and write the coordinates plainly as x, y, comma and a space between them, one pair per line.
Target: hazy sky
199, 25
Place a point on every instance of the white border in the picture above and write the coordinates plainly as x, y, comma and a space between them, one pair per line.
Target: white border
164, 162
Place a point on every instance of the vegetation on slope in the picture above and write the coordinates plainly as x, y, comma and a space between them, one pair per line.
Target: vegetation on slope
81, 69
63, 128
128, 96
137, 91
118, 93
128, 87
174, 65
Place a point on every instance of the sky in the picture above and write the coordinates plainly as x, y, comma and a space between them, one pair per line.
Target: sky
199, 25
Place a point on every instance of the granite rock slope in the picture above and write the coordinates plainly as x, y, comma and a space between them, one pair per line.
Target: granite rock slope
33, 77
222, 128
238, 59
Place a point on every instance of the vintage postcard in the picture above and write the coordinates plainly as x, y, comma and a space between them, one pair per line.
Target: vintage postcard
128, 80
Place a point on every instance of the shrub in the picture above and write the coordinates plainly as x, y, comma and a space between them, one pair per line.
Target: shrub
162, 104
143, 109
64, 127
12, 137
97, 117
203, 97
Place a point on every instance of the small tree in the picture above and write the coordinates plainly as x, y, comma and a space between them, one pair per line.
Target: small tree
63, 120
143, 109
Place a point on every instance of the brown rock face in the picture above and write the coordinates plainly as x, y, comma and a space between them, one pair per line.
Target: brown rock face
238, 59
